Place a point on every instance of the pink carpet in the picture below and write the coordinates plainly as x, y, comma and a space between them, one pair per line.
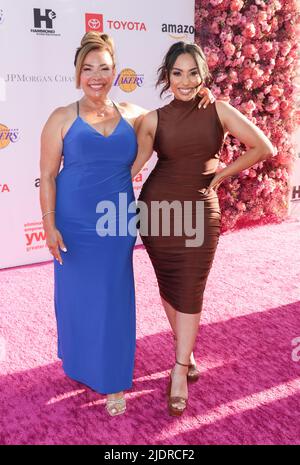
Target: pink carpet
249, 392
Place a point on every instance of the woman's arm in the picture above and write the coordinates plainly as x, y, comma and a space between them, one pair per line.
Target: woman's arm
51, 150
146, 127
259, 146
134, 113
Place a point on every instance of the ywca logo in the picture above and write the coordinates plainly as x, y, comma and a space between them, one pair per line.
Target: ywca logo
128, 80
35, 236
93, 22
178, 31
7, 136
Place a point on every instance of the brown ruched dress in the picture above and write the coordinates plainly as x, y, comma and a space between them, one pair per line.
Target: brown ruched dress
188, 142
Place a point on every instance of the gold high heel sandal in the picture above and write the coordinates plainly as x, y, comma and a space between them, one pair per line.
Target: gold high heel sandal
176, 404
193, 373
115, 406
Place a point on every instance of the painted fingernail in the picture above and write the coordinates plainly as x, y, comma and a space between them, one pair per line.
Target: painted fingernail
64, 249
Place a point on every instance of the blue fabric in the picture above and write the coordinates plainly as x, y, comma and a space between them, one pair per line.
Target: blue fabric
94, 288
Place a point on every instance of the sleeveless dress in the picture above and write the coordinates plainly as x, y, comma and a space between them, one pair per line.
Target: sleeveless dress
94, 288
188, 142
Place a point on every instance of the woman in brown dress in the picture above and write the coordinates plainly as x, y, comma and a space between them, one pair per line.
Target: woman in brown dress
188, 142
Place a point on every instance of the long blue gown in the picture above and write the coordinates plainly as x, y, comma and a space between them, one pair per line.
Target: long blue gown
94, 288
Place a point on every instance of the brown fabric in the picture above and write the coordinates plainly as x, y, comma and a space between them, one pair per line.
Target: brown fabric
188, 141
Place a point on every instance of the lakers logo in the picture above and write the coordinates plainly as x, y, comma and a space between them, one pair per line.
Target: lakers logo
128, 80
4, 136
7, 135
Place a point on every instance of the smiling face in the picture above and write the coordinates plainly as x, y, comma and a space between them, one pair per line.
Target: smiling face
97, 74
184, 77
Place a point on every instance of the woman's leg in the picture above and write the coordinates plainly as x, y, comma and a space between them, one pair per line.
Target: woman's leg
171, 315
186, 328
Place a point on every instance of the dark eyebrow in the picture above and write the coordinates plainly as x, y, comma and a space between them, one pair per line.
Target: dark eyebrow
192, 69
88, 64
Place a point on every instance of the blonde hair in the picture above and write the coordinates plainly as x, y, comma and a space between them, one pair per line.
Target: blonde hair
92, 41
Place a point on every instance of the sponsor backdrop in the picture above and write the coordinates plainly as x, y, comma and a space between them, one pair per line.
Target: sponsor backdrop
294, 205
39, 39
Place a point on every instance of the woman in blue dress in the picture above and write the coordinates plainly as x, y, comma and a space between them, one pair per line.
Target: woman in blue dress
91, 243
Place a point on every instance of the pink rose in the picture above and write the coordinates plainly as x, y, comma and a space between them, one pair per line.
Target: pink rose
236, 5
249, 106
249, 50
257, 73
240, 206
285, 47
229, 49
265, 27
212, 59
216, 2
262, 16
233, 76
248, 84
276, 91
272, 107
215, 28
249, 31
266, 47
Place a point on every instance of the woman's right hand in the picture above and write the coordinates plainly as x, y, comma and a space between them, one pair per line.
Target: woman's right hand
54, 243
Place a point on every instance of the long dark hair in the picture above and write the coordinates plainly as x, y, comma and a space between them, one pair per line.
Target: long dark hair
171, 56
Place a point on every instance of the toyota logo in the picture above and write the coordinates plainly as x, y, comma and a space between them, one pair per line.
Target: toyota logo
94, 23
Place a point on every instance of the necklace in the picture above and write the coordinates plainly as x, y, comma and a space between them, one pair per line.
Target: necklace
102, 111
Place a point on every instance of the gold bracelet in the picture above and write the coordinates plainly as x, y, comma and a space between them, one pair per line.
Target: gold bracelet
47, 213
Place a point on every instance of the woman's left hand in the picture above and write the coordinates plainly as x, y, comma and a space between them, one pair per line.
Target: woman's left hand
208, 97
214, 184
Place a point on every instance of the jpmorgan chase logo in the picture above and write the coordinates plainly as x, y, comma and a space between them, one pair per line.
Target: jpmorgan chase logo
43, 22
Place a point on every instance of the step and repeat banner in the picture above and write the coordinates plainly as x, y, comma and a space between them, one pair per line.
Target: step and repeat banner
38, 42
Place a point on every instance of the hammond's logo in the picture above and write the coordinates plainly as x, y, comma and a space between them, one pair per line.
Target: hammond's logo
7, 136
178, 31
43, 22
128, 80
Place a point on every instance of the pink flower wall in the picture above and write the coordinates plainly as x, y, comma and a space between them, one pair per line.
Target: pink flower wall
251, 47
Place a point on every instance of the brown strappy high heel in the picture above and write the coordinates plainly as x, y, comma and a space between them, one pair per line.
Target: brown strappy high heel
193, 373
176, 404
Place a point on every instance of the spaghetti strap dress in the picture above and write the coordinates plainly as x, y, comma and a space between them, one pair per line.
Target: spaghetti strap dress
94, 288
